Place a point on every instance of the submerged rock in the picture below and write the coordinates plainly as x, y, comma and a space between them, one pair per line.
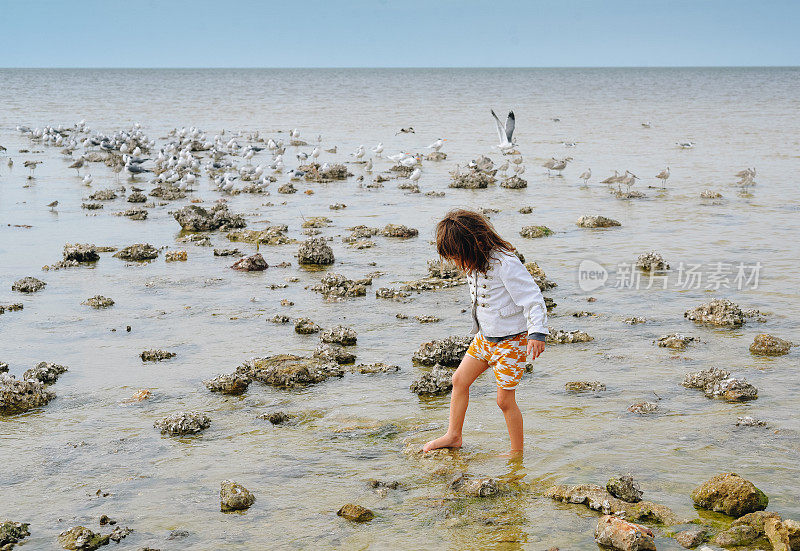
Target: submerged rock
732, 390
176, 256
340, 334
701, 379
81, 252
273, 235
315, 251
226, 252
98, 302
599, 499
233, 384
399, 230
252, 263
277, 417
692, 538
436, 381
138, 252
676, 341
156, 355
389, 293
619, 534
475, 487
378, 367
103, 195
514, 182
748, 421
306, 326
624, 487
218, 217
356, 513
584, 386
768, 345
314, 172
28, 285
533, 232
567, 337
336, 286
652, 262
17, 396
473, 179
133, 213
137, 197
597, 222
721, 312
234, 497
643, 407
81, 538
45, 372
12, 533
182, 423
447, 352
730, 494
289, 371
334, 353
539, 276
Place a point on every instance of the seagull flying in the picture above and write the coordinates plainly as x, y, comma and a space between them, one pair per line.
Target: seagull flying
505, 131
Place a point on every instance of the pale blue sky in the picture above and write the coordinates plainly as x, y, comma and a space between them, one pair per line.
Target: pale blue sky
408, 33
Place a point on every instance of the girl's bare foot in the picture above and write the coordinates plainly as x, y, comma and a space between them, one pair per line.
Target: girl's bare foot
513, 454
446, 441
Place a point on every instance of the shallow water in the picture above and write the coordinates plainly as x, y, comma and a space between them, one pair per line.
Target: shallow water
56, 458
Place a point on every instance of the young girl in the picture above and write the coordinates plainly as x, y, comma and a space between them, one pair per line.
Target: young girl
509, 319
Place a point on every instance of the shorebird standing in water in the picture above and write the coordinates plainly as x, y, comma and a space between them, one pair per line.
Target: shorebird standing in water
377, 150
78, 164
53, 205
585, 175
32, 166
612, 179
663, 176
437, 145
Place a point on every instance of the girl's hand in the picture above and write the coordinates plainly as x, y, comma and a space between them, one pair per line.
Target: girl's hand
535, 347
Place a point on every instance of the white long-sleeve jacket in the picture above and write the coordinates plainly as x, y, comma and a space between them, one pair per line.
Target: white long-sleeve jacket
506, 300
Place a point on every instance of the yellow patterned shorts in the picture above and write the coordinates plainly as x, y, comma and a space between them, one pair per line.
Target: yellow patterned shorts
506, 358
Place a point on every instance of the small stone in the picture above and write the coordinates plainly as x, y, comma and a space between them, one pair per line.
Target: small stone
305, 326
514, 182
233, 384
399, 230
226, 252
625, 488
137, 197
584, 386
526, 210
156, 355
533, 232
730, 494
28, 285
652, 262
356, 513
183, 423
427, 319
567, 337
280, 318
768, 345
138, 252
234, 497
287, 188
748, 421
337, 286
277, 417
175, 256
676, 341
692, 538
597, 222
619, 534
377, 367
81, 538
643, 408
98, 302
252, 263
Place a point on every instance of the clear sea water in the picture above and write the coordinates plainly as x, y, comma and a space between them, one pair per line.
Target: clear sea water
55, 459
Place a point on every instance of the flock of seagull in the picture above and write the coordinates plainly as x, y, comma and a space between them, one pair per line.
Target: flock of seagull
178, 162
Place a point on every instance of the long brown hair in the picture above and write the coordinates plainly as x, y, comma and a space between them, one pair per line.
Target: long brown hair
468, 239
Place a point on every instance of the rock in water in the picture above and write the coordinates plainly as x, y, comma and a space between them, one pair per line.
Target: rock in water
289, 371
676, 341
692, 538
233, 384
514, 182
732, 390
625, 488
768, 345
333, 352
701, 379
45, 372
183, 423
533, 232
81, 538
156, 355
12, 533
18, 396
196, 218
234, 497
719, 312
597, 222
337, 286
138, 252
306, 326
98, 301
447, 352
622, 535
81, 252
252, 263
584, 386
730, 494
643, 407
399, 230
356, 513
436, 381
28, 285
560, 336
652, 262
340, 334
315, 251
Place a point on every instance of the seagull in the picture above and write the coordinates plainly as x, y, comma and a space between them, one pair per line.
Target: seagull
135, 168
315, 153
437, 145
53, 205
368, 166
359, 154
87, 180
585, 176
409, 130
378, 149
78, 164
646, 124
414, 177
397, 157
505, 132
685, 145
331, 150
302, 156
663, 176
411, 160
570, 144
751, 172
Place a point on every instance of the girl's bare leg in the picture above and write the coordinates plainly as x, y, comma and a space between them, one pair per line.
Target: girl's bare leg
469, 370
506, 399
